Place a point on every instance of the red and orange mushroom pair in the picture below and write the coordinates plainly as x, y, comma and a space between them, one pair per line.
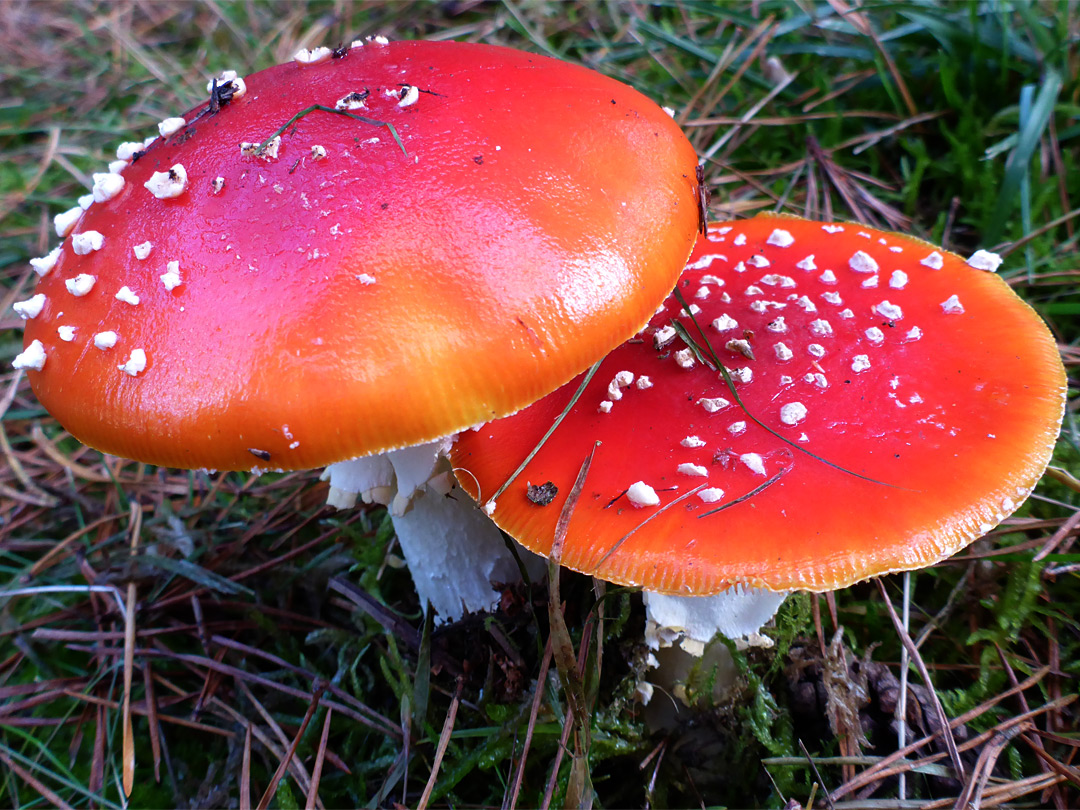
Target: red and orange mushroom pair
376, 247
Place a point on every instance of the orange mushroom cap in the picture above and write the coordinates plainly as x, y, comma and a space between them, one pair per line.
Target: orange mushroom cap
928, 393
342, 293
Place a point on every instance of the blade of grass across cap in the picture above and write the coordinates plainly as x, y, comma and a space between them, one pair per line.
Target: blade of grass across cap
323, 108
755, 491
554, 426
651, 517
713, 358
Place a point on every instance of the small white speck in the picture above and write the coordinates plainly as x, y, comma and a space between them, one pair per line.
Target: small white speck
869, 283
66, 333
227, 76
792, 413
127, 296
31, 307
828, 277
251, 149
783, 353
817, 379
820, 327
890, 311
136, 363
171, 277
312, 57
351, 101
684, 358
409, 95
365, 279
117, 166
777, 326
914, 333
862, 262
805, 302
935, 261
807, 263
643, 383
952, 306
170, 126
692, 442
816, 349
739, 240
985, 260
711, 494
896, 249
754, 461
87, 242
740, 267
847, 314
106, 186
741, 346
875, 335
702, 293
32, 357
318, 152
713, 404
126, 151
81, 284
217, 185
859, 363
780, 238
898, 280
757, 260
736, 428
379, 39
148, 141
669, 110
832, 298
641, 494
663, 336
742, 375
775, 280
166, 185
753, 289
105, 340
693, 469
832, 228
143, 250
605, 406
47, 262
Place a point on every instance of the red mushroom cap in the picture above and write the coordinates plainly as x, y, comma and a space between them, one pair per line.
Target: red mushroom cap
929, 382
341, 293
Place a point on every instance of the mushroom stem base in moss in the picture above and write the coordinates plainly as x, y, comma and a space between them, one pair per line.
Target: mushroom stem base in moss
454, 552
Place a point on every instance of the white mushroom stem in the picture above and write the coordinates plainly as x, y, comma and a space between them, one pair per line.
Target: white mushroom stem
693, 621
453, 550
678, 628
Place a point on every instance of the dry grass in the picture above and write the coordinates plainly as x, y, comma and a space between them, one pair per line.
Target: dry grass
208, 640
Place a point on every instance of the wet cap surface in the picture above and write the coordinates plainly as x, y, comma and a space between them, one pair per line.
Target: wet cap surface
355, 297
954, 413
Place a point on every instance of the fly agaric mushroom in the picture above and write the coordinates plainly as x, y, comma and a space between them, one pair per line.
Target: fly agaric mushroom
896, 404
342, 256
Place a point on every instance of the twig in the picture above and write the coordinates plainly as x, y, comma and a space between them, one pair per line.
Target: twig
444, 741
